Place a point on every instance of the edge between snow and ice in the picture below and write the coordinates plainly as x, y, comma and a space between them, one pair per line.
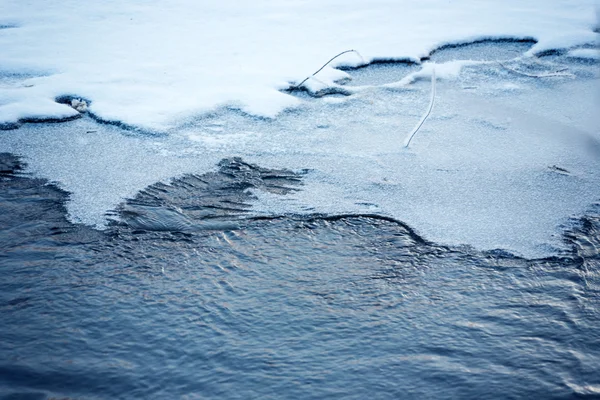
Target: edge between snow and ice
17, 110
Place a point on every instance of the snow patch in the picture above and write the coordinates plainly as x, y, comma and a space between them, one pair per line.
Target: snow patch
585, 54
449, 71
35, 110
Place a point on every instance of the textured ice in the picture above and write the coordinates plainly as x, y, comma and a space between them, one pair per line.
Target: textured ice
509, 154
155, 64
504, 160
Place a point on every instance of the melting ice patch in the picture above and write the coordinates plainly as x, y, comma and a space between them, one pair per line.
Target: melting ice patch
156, 63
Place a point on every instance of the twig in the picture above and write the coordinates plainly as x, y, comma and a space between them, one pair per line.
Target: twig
324, 65
422, 121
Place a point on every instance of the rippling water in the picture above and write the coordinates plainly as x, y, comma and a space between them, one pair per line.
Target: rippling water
186, 296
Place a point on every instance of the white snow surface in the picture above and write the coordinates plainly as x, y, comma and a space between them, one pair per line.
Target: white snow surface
152, 64
586, 54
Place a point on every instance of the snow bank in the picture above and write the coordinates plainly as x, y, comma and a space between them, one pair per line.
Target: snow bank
153, 64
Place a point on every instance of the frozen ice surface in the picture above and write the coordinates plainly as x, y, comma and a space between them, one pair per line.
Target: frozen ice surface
503, 161
154, 64
509, 154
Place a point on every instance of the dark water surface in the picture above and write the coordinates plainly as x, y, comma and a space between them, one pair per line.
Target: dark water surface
184, 296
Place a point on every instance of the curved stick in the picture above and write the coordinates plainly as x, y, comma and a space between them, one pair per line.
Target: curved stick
324, 65
424, 117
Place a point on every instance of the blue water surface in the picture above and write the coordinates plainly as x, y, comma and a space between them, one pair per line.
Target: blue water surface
282, 307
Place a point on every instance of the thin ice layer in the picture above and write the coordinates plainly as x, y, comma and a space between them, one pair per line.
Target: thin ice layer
503, 161
152, 64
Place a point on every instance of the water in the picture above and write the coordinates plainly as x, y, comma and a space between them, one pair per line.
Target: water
281, 307
322, 262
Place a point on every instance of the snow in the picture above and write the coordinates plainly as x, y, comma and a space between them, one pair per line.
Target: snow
448, 70
35, 109
510, 152
152, 64
586, 54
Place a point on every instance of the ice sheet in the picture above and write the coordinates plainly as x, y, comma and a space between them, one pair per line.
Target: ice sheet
153, 64
509, 154
504, 161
